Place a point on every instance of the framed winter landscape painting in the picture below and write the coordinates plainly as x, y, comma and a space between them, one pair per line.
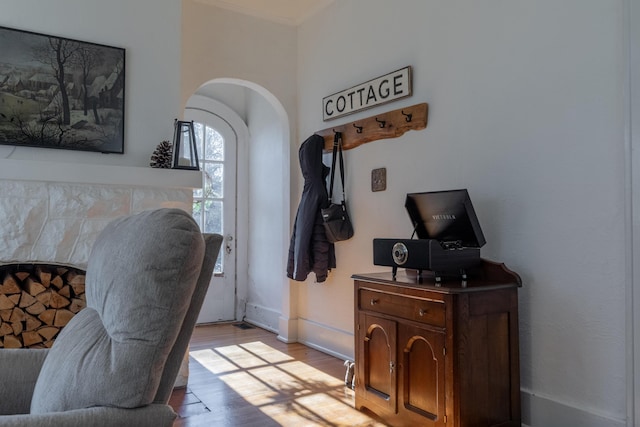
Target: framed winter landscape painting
60, 93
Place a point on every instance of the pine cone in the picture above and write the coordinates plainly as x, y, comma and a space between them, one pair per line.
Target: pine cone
161, 157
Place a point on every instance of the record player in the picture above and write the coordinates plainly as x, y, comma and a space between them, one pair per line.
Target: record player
448, 231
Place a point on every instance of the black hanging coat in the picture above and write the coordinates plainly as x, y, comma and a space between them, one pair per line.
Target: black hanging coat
309, 249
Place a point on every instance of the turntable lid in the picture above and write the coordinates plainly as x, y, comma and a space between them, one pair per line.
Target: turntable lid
446, 216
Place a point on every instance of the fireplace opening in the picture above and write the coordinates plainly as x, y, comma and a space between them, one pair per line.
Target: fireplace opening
36, 301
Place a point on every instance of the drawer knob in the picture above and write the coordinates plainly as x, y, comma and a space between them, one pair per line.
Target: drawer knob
422, 312
374, 301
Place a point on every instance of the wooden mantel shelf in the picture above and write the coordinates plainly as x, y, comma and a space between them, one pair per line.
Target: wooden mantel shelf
30, 170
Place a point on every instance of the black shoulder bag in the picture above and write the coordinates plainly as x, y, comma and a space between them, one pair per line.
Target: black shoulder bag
335, 217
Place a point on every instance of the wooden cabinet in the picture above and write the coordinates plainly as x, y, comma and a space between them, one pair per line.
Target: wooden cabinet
439, 354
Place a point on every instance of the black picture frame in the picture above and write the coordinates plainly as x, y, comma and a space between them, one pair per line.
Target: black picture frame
57, 92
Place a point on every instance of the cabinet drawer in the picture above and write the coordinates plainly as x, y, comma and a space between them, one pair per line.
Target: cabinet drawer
407, 307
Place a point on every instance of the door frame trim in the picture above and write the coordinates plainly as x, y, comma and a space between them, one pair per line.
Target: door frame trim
217, 108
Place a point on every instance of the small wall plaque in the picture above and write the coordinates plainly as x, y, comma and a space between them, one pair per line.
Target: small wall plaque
379, 179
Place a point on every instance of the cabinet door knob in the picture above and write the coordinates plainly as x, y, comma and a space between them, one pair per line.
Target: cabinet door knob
392, 366
374, 301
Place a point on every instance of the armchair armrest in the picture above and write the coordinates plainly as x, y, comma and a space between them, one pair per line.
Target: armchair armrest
154, 415
19, 370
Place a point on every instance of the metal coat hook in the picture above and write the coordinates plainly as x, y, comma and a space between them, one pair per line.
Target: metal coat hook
384, 125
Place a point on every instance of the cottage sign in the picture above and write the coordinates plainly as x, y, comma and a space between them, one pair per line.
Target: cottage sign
383, 89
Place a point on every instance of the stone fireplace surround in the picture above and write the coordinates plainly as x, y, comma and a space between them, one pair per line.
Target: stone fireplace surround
58, 222
54, 214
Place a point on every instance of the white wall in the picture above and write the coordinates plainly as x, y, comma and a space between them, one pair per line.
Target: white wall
266, 264
218, 43
221, 49
633, 213
527, 111
152, 80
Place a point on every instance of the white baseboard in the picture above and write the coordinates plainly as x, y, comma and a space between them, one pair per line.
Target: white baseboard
288, 330
326, 339
539, 411
336, 342
262, 317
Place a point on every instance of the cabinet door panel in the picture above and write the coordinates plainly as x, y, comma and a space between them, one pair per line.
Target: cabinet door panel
378, 342
423, 373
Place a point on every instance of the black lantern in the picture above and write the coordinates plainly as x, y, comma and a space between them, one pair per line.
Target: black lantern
185, 155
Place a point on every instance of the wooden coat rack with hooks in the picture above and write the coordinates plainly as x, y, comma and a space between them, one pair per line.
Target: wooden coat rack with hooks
391, 124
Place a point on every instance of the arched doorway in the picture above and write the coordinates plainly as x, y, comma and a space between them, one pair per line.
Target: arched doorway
262, 199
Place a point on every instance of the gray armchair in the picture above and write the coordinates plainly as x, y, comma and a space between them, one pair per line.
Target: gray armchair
115, 363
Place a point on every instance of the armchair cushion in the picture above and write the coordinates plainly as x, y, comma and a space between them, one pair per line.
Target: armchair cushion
154, 415
19, 370
143, 270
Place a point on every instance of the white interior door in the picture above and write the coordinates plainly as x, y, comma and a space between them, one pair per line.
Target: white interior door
214, 208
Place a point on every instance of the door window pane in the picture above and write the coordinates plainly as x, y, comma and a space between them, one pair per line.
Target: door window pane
214, 148
208, 202
212, 217
214, 177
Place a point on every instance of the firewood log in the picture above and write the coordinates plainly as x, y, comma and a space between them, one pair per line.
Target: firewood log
11, 341
17, 328
17, 315
48, 316
21, 275
26, 300
44, 298
35, 308
32, 323
58, 301
9, 286
57, 282
77, 304
65, 291
48, 332
62, 317
5, 303
5, 329
45, 277
34, 288
29, 338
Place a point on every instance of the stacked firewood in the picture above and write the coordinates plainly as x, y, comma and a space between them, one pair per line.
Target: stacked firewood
36, 302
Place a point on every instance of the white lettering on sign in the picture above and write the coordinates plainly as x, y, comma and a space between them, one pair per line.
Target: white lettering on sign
381, 90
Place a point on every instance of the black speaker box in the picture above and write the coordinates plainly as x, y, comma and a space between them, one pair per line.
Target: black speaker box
423, 254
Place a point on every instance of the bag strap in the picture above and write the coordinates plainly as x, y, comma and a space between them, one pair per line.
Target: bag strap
337, 149
336, 138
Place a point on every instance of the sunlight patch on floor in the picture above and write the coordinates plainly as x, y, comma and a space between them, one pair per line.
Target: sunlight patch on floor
241, 357
316, 410
302, 370
213, 361
289, 391
251, 389
266, 352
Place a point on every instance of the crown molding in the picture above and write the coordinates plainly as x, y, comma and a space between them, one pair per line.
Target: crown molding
286, 12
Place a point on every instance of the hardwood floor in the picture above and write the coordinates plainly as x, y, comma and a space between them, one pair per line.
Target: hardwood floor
246, 377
